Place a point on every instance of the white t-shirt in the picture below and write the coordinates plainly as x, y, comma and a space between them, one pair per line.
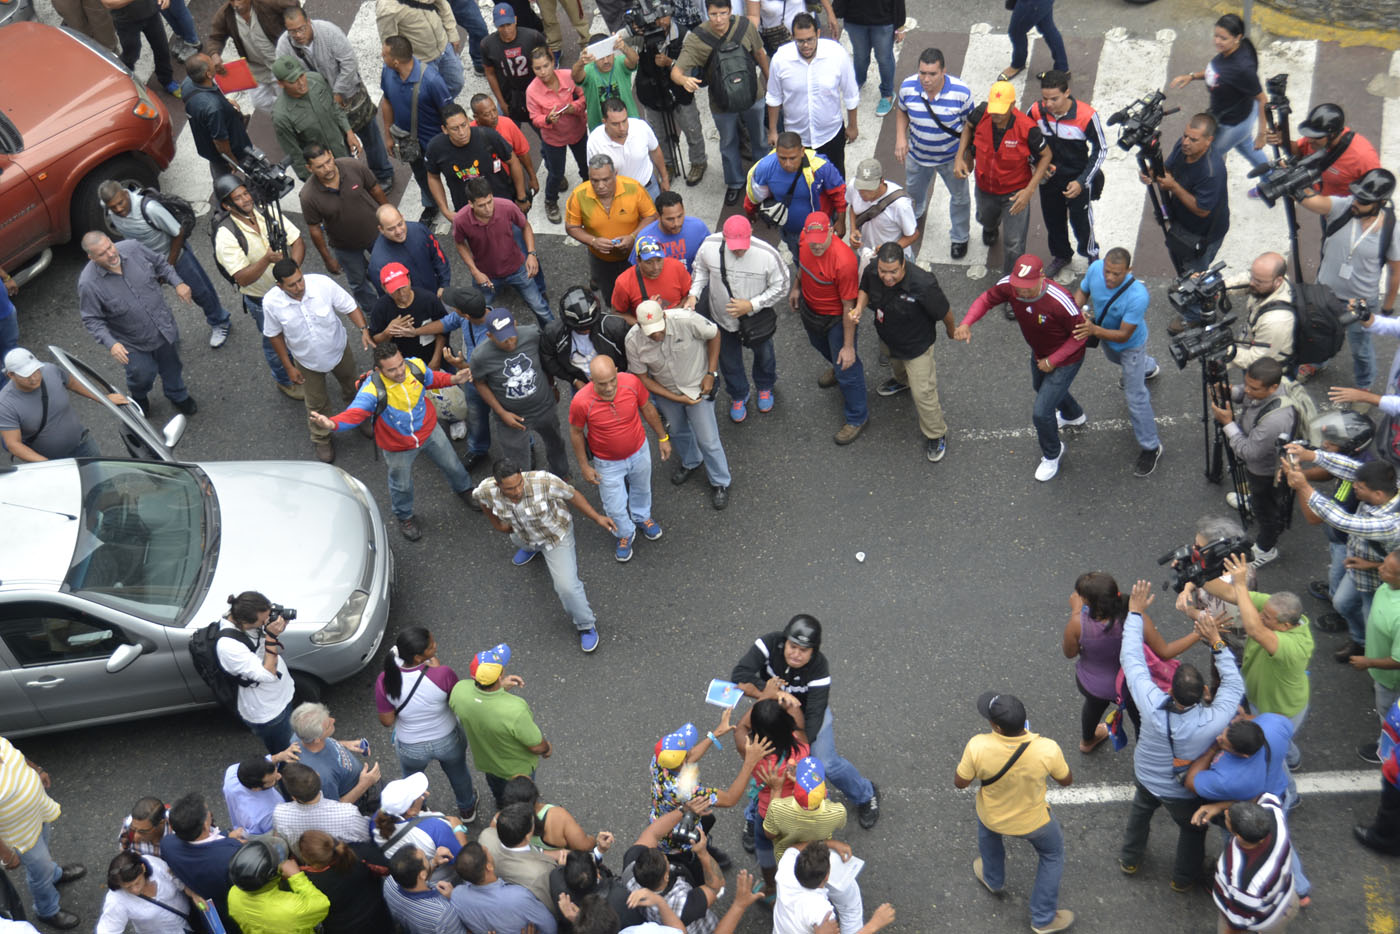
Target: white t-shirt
797, 910
271, 693
632, 156
895, 221
121, 908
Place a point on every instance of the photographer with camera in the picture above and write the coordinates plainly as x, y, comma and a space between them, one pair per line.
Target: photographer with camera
668, 108
252, 656
1268, 413
1358, 244
1270, 315
1349, 154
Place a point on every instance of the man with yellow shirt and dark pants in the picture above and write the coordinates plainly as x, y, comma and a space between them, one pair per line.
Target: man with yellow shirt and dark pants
1012, 764
604, 214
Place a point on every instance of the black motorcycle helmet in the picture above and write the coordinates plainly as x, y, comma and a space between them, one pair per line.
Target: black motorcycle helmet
579, 309
1349, 431
255, 864
224, 186
1375, 186
1323, 121
804, 630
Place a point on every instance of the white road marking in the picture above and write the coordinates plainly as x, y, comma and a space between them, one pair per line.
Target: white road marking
1316, 783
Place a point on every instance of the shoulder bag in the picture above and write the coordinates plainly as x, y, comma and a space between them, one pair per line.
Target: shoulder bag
399, 709
1009, 763
44, 411
406, 142
1094, 341
774, 211
878, 208
758, 325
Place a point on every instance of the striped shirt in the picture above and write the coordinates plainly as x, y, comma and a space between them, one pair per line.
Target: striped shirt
1255, 892
928, 143
789, 822
1372, 531
24, 805
417, 912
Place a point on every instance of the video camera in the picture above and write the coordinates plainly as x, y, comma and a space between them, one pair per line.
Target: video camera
1290, 176
1203, 294
1141, 124
644, 19
266, 181
1195, 564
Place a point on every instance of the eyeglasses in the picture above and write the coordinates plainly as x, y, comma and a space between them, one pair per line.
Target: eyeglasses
811, 41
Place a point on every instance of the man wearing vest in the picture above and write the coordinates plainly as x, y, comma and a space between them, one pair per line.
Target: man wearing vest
824, 293
998, 144
1077, 146
933, 108
716, 48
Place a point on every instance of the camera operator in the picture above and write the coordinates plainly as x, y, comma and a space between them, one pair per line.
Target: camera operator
1326, 129
253, 657
1269, 311
1372, 531
1358, 243
668, 108
1267, 413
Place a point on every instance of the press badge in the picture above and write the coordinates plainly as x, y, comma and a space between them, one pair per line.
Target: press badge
1345, 271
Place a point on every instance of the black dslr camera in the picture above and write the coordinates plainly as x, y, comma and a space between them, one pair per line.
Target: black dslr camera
286, 612
644, 19
266, 181
688, 830
1197, 565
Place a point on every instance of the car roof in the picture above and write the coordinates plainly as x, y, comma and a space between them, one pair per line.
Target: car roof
41, 504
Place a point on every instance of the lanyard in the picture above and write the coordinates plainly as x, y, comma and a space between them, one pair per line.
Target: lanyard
1366, 231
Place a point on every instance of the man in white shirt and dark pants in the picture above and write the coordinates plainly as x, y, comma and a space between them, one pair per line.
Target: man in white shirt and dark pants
632, 145
300, 319
811, 81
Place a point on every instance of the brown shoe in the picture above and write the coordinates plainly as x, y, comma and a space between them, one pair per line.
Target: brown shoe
325, 452
827, 379
695, 173
1177, 326
847, 434
292, 391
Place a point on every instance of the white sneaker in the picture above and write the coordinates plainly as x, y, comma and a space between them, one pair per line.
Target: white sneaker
1070, 422
1049, 466
1262, 558
218, 334
1232, 500
457, 431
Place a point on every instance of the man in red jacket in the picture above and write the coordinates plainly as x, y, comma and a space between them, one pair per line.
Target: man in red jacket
1047, 316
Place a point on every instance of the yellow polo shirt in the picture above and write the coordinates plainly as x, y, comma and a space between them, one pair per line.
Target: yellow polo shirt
629, 205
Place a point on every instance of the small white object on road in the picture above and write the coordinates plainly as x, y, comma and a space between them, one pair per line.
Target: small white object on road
860, 556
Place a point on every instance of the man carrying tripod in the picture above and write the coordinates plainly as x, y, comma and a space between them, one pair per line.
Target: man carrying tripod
670, 109
1325, 129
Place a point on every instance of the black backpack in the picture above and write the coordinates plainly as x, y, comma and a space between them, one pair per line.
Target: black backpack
179, 208
381, 395
1318, 335
204, 653
730, 71
220, 218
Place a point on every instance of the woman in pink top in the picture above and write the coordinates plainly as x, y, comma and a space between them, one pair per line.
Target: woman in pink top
557, 109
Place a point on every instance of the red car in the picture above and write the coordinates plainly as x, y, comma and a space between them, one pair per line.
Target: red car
71, 117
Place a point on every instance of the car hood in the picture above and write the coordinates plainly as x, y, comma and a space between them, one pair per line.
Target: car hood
274, 518
86, 86
44, 501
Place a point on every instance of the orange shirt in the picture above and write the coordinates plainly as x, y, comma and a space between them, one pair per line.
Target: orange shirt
630, 204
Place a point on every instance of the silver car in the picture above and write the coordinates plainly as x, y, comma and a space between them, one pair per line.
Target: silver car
111, 564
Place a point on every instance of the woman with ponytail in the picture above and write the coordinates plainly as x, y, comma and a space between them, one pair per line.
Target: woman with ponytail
411, 697
355, 891
1237, 100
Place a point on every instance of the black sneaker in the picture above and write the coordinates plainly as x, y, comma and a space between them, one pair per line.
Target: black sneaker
1369, 752
187, 406
63, 920
719, 498
1320, 590
990, 235
935, 448
468, 816
1008, 312
409, 528
1330, 622
1147, 462
958, 250
891, 387
430, 214
682, 473
720, 857
747, 839
869, 812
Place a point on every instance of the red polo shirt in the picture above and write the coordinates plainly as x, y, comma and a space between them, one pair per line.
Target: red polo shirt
670, 288
829, 278
615, 430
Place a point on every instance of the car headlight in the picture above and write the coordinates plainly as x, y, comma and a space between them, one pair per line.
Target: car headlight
356, 488
345, 623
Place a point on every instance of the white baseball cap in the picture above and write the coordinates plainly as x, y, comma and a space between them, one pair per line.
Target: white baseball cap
20, 362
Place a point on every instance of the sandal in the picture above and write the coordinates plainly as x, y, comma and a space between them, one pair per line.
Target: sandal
1008, 73
1100, 734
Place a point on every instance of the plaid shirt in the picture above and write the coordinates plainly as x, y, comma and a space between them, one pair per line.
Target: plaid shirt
1372, 531
541, 519
340, 820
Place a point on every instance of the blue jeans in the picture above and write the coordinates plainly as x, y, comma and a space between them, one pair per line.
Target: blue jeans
1051, 396
731, 365
42, 874
625, 488
1240, 138
1049, 844
918, 178
276, 733
555, 167
1363, 355
1354, 606
1041, 15
519, 233
562, 561
728, 126
1337, 569
181, 22
527, 287
468, 16
1136, 365
400, 463
478, 422
695, 437
9, 340
448, 751
372, 138
143, 366
254, 307
355, 265
201, 287
449, 66
843, 775
881, 39
851, 380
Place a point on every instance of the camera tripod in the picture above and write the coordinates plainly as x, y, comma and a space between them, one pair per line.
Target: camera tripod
672, 143
1276, 115
1215, 387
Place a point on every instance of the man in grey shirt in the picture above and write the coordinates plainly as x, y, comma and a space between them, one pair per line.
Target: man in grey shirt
37, 423
124, 310
146, 220
508, 373
323, 48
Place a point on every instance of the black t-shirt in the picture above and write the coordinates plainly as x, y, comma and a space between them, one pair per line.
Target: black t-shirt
696, 904
1205, 180
1233, 81
487, 154
906, 315
425, 307
512, 61
357, 900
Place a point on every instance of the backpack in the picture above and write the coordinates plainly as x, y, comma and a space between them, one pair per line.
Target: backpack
178, 208
216, 220
730, 70
1318, 335
204, 653
381, 394
1304, 411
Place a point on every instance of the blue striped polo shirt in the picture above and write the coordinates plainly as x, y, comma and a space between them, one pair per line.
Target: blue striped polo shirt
929, 145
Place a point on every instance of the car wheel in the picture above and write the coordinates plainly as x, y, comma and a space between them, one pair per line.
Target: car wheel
87, 212
309, 688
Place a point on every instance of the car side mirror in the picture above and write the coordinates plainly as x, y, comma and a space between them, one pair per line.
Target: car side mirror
123, 656
174, 430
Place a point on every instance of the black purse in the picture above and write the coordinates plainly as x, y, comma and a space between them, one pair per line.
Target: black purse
758, 325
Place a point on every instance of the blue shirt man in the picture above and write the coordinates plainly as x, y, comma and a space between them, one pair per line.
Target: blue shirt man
1246, 761
398, 93
413, 245
487, 903
803, 181
213, 119
678, 233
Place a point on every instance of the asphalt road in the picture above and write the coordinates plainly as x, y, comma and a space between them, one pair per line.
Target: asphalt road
968, 567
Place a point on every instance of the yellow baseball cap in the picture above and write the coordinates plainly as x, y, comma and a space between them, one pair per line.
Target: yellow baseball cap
1001, 98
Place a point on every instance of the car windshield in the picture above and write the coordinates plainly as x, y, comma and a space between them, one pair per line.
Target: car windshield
145, 537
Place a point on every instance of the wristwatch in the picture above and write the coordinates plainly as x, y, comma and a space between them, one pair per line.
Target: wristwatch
1218, 646
713, 374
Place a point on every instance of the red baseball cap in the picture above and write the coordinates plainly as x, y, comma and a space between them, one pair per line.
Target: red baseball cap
393, 277
1026, 272
737, 231
816, 228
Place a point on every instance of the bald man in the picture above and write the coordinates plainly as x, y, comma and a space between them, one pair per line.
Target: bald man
411, 244
609, 411
1268, 317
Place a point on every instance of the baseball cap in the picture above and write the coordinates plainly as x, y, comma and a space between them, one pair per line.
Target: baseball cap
737, 231
869, 174
810, 778
20, 362
486, 666
398, 796
393, 277
500, 324
816, 228
649, 248
467, 301
671, 748
1005, 710
1001, 98
502, 14
287, 68
1025, 273
650, 317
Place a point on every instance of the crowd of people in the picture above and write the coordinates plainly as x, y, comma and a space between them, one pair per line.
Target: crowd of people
667, 315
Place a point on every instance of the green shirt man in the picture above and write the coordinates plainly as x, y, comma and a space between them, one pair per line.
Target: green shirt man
306, 113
